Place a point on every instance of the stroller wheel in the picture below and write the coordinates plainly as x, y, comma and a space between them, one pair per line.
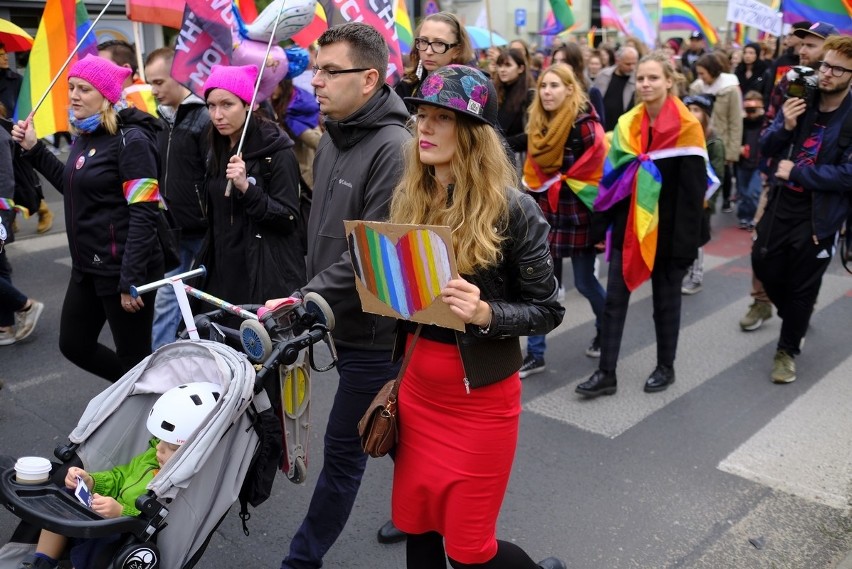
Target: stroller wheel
317, 305
137, 556
300, 471
255, 340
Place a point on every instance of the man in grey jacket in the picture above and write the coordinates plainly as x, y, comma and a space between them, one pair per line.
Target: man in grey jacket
617, 84
358, 163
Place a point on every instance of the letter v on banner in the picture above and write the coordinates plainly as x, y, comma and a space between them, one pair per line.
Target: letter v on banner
204, 40
378, 14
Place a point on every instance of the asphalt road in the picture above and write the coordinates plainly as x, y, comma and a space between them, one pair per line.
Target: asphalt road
680, 479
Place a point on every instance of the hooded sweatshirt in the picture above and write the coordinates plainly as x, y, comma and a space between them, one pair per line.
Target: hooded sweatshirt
357, 166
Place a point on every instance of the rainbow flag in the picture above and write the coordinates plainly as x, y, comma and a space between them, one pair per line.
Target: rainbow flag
311, 33
563, 14
682, 15
739, 32
550, 27
62, 23
836, 12
583, 177
610, 18
630, 172
140, 96
404, 31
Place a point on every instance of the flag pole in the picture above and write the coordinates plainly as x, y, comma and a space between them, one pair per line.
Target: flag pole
488, 19
254, 94
68, 61
139, 47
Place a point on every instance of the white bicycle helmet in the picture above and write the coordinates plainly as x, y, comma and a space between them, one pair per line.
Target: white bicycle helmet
181, 410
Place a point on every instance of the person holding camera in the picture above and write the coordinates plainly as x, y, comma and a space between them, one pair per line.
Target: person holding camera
809, 199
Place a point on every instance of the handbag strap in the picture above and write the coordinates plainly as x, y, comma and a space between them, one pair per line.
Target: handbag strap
405, 360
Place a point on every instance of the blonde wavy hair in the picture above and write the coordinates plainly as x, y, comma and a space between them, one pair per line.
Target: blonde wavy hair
540, 118
478, 213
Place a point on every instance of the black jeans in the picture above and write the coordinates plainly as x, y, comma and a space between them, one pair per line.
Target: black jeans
11, 299
790, 265
666, 280
84, 314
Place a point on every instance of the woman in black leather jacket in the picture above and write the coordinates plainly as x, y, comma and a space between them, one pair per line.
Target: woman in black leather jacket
460, 398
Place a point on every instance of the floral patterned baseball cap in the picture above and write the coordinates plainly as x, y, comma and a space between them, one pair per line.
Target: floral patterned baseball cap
460, 88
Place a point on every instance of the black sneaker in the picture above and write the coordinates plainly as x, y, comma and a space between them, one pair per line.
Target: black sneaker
531, 365
726, 207
594, 349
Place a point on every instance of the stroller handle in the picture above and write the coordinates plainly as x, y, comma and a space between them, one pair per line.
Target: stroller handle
135, 291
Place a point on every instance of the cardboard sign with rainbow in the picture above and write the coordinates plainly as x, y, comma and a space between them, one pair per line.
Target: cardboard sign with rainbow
401, 269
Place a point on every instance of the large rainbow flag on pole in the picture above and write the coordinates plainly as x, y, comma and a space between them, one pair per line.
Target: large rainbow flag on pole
836, 12
682, 15
62, 23
630, 173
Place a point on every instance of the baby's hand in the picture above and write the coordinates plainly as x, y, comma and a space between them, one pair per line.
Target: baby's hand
71, 478
105, 506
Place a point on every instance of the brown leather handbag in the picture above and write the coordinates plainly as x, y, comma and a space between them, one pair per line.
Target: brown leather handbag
377, 428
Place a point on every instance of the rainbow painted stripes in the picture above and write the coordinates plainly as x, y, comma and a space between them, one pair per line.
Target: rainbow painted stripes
408, 275
682, 15
142, 190
62, 23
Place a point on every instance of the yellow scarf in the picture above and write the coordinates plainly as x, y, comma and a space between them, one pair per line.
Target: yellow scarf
547, 148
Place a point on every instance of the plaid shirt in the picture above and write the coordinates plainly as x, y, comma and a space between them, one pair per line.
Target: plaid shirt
571, 221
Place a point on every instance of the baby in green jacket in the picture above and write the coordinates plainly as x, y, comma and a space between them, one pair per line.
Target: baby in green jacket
174, 417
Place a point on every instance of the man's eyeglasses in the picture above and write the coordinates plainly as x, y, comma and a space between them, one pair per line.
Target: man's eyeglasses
331, 73
422, 44
836, 70
750, 110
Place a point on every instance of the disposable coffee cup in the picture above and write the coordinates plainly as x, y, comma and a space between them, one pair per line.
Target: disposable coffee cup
32, 470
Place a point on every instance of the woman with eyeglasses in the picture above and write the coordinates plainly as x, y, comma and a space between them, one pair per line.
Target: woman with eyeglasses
439, 40
253, 251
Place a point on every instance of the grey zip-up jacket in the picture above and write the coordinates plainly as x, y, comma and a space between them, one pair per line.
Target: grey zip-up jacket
358, 163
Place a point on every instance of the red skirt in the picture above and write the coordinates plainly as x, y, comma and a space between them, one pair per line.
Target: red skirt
455, 452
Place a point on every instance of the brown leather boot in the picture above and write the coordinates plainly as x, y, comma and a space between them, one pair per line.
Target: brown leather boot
45, 218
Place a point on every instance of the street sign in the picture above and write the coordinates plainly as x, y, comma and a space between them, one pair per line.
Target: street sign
520, 17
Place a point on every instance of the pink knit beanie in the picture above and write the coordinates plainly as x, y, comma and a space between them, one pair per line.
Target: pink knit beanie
237, 79
107, 77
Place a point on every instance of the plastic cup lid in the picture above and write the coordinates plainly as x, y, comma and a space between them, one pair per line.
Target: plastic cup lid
32, 465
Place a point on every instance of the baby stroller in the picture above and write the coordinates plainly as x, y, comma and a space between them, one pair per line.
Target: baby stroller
177, 518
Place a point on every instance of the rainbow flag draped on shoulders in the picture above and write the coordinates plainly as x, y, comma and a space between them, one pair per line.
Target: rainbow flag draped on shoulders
62, 24
582, 177
630, 172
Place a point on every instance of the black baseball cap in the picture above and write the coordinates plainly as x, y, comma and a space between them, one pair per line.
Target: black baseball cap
817, 29
696, 36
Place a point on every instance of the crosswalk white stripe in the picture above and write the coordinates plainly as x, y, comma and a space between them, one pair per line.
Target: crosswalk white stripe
806, 449
700, 357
